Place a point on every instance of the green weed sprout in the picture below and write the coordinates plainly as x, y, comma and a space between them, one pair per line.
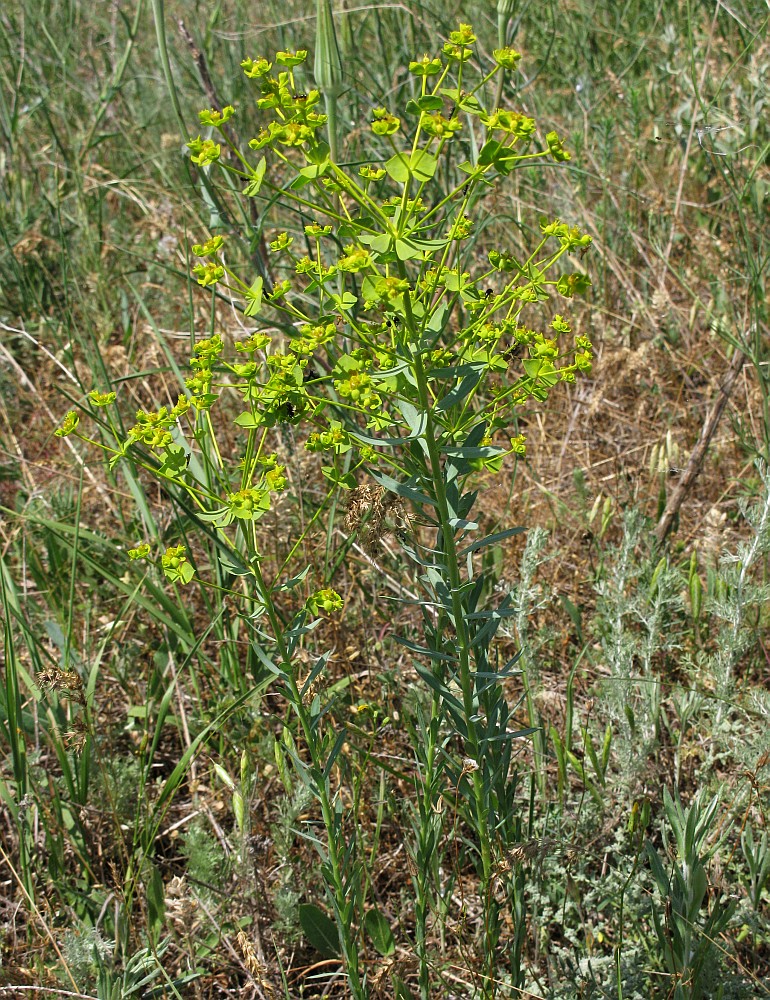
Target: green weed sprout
686, 934
405, 359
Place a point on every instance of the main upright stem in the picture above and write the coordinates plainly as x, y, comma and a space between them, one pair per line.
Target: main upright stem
451, 565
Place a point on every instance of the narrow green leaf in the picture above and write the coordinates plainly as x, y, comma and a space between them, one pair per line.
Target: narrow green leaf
441, 689
416, 420
255, 298
338, 744
401, 489
458, 394
156, 904
433, 654
400, 990
658, 872
482, 543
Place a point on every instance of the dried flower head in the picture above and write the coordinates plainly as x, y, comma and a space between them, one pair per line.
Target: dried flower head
373, 513
530, 850
56, 679
181, 907
75, 738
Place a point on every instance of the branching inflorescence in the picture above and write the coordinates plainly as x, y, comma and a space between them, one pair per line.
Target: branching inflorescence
406, 359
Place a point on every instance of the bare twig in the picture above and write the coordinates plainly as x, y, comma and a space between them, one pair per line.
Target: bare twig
205, 76
695, 463
10, 990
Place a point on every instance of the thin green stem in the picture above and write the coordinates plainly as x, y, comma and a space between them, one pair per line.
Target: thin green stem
347, 942
451, 567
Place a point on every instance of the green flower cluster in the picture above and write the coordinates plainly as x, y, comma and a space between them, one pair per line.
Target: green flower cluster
512, 123
176, 566
296, 123
570, 237
214, 118
209, 273
425, 67
68, 425
281, 242
384, 123
312, 338
282, 399
359, 389
256, 342
458, 48
153, 429
506, 57
354, 383
249, 503
335, 439
101, 399
436, 125
204, 151
367, 333
327, 600
205, 354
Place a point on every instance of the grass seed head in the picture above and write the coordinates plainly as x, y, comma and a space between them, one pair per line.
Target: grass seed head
257, 968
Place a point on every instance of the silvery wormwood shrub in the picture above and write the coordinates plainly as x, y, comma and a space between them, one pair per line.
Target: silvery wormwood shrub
406, 359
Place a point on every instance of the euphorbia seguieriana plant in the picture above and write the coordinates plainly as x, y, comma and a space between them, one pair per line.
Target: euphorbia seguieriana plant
402, 357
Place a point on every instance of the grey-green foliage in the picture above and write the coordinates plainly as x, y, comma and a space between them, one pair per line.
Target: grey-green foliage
289, 890
89, 960
641, 619
120, 777
756, 853
638, 604
141, 969
530, 597
85, 951
657, 607
571, 905
207, 862
686, 705
736, 596
614, 614
756, 750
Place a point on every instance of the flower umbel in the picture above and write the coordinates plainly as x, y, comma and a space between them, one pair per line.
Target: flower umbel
68, 426
326, 600
176, 566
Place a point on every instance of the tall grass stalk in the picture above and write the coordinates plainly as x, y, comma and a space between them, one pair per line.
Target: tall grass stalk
328, 70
